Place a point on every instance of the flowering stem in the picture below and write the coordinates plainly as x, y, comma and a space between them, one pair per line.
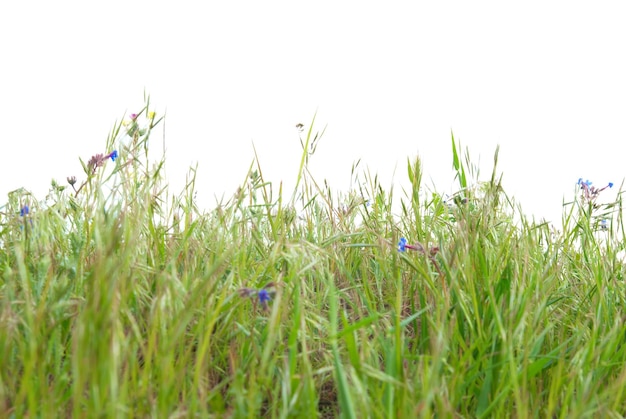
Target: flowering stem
402, 246
410, 246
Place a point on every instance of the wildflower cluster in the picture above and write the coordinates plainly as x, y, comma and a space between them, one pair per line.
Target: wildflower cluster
133, 129
24, 213
590, 193
403, 245
99, 159
588, 196
431, 253
94, 162
263, 295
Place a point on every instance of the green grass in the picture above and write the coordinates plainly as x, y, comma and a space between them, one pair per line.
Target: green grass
119, 298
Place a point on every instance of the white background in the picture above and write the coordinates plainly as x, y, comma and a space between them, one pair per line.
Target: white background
389, 80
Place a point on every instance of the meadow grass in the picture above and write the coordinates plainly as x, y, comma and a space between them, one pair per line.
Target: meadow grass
119, 298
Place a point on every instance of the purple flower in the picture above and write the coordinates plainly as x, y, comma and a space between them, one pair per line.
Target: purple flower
133, 116
96, 161
264, 296
113, 155
590, 193
24, 211
402, 245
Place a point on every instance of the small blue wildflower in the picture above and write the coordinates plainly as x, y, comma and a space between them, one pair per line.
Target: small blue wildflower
402, 245
610, 184
113, 155
587, 182
24, 211
264, 296
603, 224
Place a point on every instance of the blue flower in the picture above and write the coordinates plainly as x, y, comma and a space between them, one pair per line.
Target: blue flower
610, 184
264, 296
587, 182
402, 245
24, 211
113, 155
